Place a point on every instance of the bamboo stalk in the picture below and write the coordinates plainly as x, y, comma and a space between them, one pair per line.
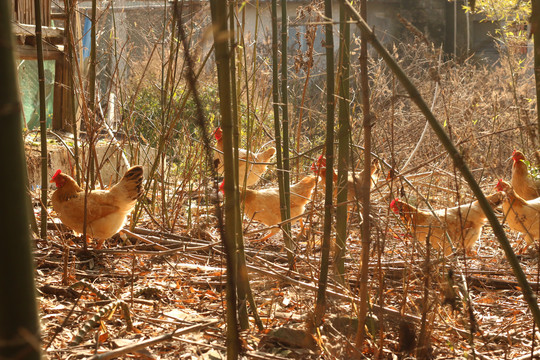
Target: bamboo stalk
243, 280
343, 141
42, 120
242, 266
71, 82
92, 93
232, 209
366, 225
278, 134
19, 326
90, 125
535, 23
286, 204
320, 307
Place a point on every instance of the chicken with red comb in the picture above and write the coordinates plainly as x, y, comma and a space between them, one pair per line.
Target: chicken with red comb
355, 184
107, 210
521, 215
522, 182
263, 205
256, 162
463, 224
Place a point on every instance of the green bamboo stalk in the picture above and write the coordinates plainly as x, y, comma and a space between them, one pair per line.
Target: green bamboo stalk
320, 307
343, 141
232, 209
92, 93
286, 204
90, 128
243, 280
242, 269
366, 181
277, 133
535, 24
30, 207
42, 120
304, 91
71, 83
168, 71
528, 295
19, 326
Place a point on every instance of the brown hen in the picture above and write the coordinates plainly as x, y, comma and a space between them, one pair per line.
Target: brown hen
355, 184
263, 205
523, 183
521, 215
257, 162
107, 210
463, 224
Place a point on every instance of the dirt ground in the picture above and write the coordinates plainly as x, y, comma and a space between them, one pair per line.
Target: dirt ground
167, 289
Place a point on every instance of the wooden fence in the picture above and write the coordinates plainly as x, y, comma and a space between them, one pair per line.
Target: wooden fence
25, 13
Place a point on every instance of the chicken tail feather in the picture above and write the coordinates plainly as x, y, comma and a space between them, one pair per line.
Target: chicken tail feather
268, 153
132, 182
495, 199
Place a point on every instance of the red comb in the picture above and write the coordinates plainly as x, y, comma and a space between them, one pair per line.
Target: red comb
317, 165
218, 133
393, 205
499, 186
517, 155
56, 174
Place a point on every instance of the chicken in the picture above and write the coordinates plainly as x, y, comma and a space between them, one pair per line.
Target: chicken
354, 184
522, 182
263, 205
107, 210
257, 161
463, 224
520, 214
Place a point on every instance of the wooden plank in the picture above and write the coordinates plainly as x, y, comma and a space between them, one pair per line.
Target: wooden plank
29, 52
46, 12
47, 32
58, 16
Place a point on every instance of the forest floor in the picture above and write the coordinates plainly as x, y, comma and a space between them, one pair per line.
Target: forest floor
165, 292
